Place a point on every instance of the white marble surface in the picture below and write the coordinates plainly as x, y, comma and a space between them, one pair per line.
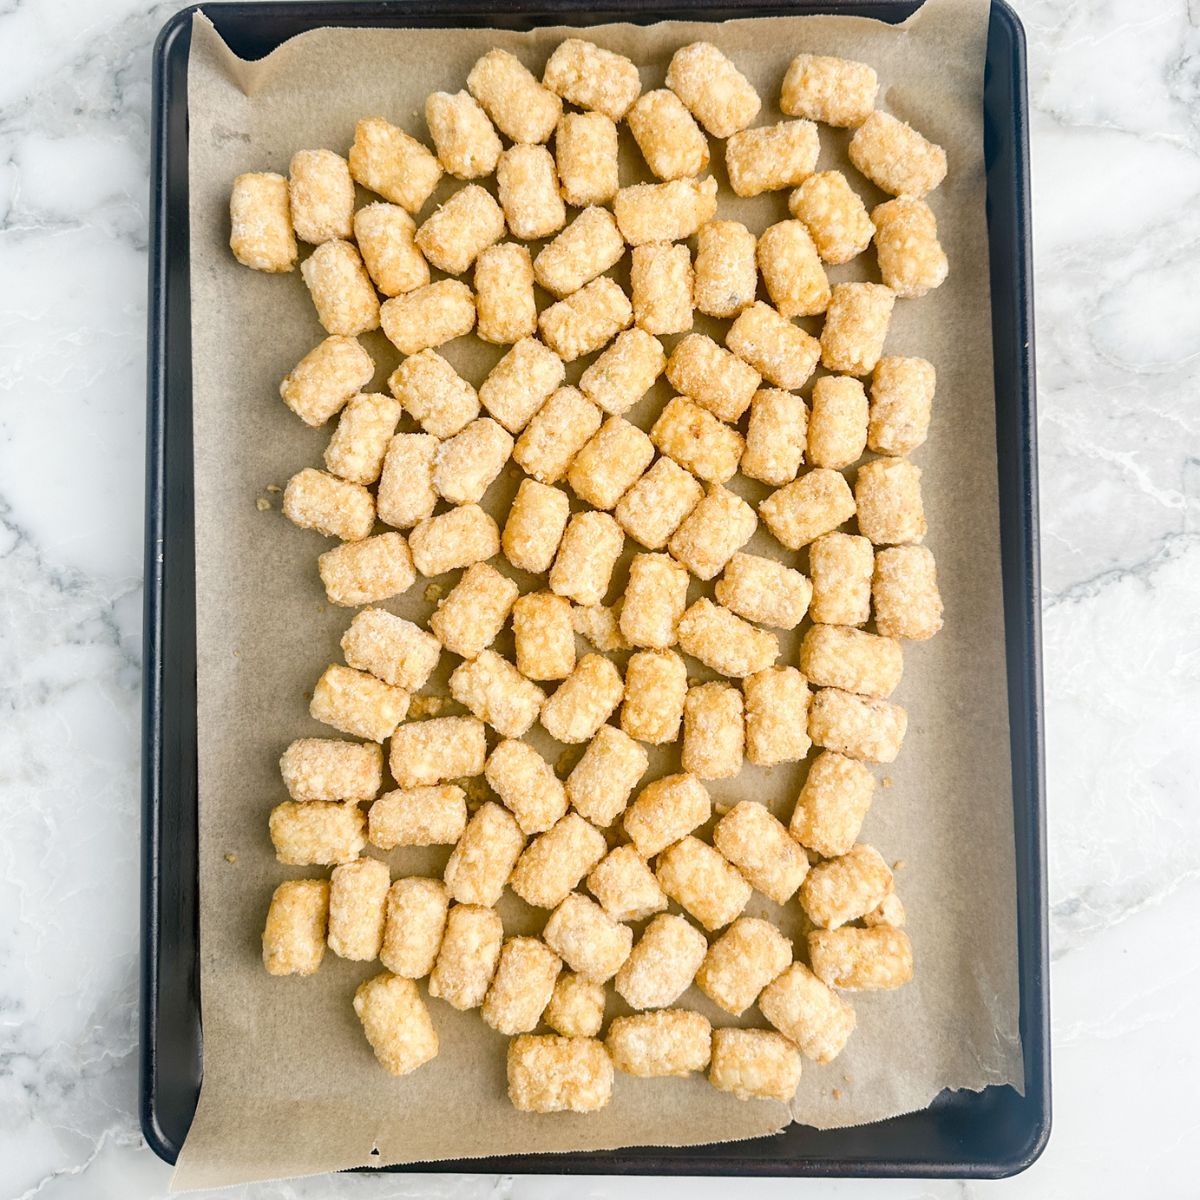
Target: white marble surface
1116, 160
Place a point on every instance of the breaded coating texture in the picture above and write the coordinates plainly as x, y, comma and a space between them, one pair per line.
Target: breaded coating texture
625, 372
406, 496
792, 270
260, 222
521, 987
433, 751
714, 732
665, 811
526, 783
586, 556
724, 642
655, 598
386, 238
420, 816
856, 326
703, 882
555, 434
834, 215
600, 785
754, 1064
434, 394
901, 404
466, 141
671, 142
911, 259
625, 886
816, 503
474, 610
651, 1045
807, 1013
330, 769
325, 379
608, 466
520, 383
468, 955
585, 153
457, 538
364, 430
887, 493
557, 860
837, 91
759, 846
661, 280
357, 703
837, 426
293, 940
386, 160
587, 939
726, 268
850, 659
428, 316
454, 236
840, 565
712, 376
391, 648
655, 692
716, 93
529, 192
716, 529
741, 962
320, 195
396, 1023
654, 508
332, 506
777, 703
832, 804
497, 693
317, 832
505, 306
357, 896
697, 441
776, 437
771, 157
665, 212
590, 77
856, 726
662, 965
416, 921
365, 572
558, 1074
544, 635
586, 320
846, 888
522, 109
782, 353
895, 157
483, 860
905, 590
576, 1008
763, 590
861, 960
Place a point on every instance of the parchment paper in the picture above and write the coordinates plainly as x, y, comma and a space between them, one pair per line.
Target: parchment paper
290, 1085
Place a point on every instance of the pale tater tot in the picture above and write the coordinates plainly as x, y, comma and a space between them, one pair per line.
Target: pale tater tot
341, 290
763, 590
457, 538
861, 960
837, 425
366, 572
429, 316
654, 508
772, 157
808, 1013
777, 703
665, 212
702, 882
453, 236
293, 940
386, 160
609, 465
716, 93
317, 832
421, 816
901, 403
326, 378
587, 554
625, 372
396, 1023
466, 465
655, 692
481, 863
534, 528
521, 108
321, 196
584, 700
357, 703
330, 769
386, 237
837, 91
260, 222
895, 157
391, 648
713, 532
846, 888
423, 753
724, 642
506, 310
776, 437
434, 394
585, 154
712, 376
801, 511
754, 1064
655, 598
671, 142
587, 939
911, 259
834, 215
741, 962
857, 726
576, 1007
416, 921
782, 353
833, 804
760, 847
549, 1074
840, 565
406, 496
792, 270
520, 383
856, 327
590, 77
889, 911
555, 861
851, 659
662, 965
496, 692
357, 897
661, 279
364, 430
905, 590
665, 811
522, 986
465, 140
604, 778
526, 783
654, 1045
467, 957
332, 506
697, 441
625, 886
474, 610
887, 493
714, 731
529, 194
586, 320
726, 268
555, 434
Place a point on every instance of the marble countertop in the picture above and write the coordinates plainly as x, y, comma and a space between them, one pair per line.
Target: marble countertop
1116, 166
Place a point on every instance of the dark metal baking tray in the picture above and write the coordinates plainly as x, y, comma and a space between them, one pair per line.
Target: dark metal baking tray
991, 1133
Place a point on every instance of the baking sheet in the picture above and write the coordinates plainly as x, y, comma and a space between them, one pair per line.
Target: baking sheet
290, 1086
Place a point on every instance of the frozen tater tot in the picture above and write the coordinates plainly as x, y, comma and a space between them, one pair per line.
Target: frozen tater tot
609, 465
526, 783
726, 268
586, 557
837, 91
457, 538
522, 109
895, 157
429, 316
421, 816
534, 528
911, 259
522, 985
584, 700
326, 378
760, 847
604, 778
776, 437
396, 1023
586, 320
652, 1045
861, 960
837, 426
850, 659
341, 290
716, 529
792, 270
293, 940
364, 430
724, 642
317, 832
808, 1013
496, 692
834, 216
416, 920
548, 1074
856, 725
481, 863
714, 731
772, 157
754, 1064
585, 154
905, 590
665, 811
655, 598
555, 434
661, 279
855, 327
423, 753
655, 691
455, 234
887, 493
763, 590
777, 703
391, 648
366, 572
330, 769
576, 1007
654, 508
590, 77
386, 237
506, 310
712, 376
665, 212
889, 911
901, 404
598, 625
833, 804
520, 383
406, 496
625, 886
321, 196
801, 511
357, 703
625, 372
702, 882
663, 963
386, 160
332, 506
587, 939
466, 141
697, 441
529, 193
260, 222
467, 957
840, 565
846, 888
671, 142
716, 93
434, 394
357, 896
741, 962
554, 862
474, 610
782, 353
466, 464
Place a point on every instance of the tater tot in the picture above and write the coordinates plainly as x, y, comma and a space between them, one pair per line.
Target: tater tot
837, 426
521, 108
293, 940
506, 310
661, 279
391, 648
901, 403
520, 383
457, 232
608, 466
528, 186
816, 503
702, 882
467, 957
421, 816
357, 703
856, 327
776, 437
330, 769
714, 731
834, 215
654, 508
719, 526
341, 290
850, 659
406, 496
808, 1013
887, 493
260, 222
662, 965
434, 394
665, 212
576, 1007
356, 450
846, 888
792, 270
534, 528
697, 441
856, 725
655, 598
652, 1045
429, 752
474, 610
655, 691
587, 939
889, 911
357, 896
671, 142
332, 506
526, 783
396, 1023
761, 849
457, 538
726, 268
905, 590
716, 93
604, 778
782, 353
586, 319
386, 160
772, 157
763, 590
321, 196
386, 237
625, 886
754, 1064
326, 378
481, 863
586, 557
777, 703
590, 77
895, 157
833, 804
712, 376
555, 434
554, 862
317, 832
365, 572
416, 921
496, 692
911, 259
665, 811
429, 316
522, 986
584, 700
838, 91
465, 140
741, 962
549, 1074
724, 642
585, 154
861, 960
840, 565
466, 465
625, 372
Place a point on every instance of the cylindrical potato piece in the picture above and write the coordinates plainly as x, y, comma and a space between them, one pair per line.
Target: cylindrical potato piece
607, 467
457, 538
662, 965
895, 157
655, 691
674, 1041
834, 216
317, 832
529, 194
321, 196
856, 726
520, 383
771, 157
396, 1023
776, 437
584, 700
590, 77
293, 940
714, 732
911, 259
699, 878
506, 310
761, 849
357, 703
855, 327
357, 896
697, 441
423, 753
724, 642
665, 811
832, 805
521, 108
777, 703
482, 862
763, 590
792, 270
467, 957
901, 404
838, 91
468, 618
587, 939
741, 962
386, 237
260, 222
330, 769
406, 496
544, 635
466, 465
454, 235
555, 434
671, 142
526, 783
754, 1064
807, 1013
363, 433
465, 140
576, 1008
496, 692
341, 290
325, 379
665, 212
800, 512
654, 508
554, 862
434, 394
386, 160
586, 319
332, 506
840, 565
846, 888
837, 427
625, 886
905, 590
585, 153
420, 816
429, 316
522, 986
850, 659
716, 93
661, 279
861, 960
368, 571
655, 598
558, 1074
713, 532
586, 556
726, 268
887, 493
416, 921
712, 376
625, 372
782, 353
600, 785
